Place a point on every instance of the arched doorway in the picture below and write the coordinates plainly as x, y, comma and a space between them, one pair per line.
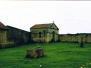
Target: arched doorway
39, 34
53, 36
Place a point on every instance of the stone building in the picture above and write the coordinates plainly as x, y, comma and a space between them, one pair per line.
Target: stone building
3, 37
44, 32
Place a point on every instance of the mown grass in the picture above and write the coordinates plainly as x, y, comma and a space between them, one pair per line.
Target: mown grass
57, 55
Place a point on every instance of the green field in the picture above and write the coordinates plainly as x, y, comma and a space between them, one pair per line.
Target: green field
57, 55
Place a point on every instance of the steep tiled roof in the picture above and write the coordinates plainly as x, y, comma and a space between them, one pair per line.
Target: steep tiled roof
41, 25
2, 26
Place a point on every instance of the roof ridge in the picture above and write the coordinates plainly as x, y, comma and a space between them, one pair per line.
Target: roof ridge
46, 25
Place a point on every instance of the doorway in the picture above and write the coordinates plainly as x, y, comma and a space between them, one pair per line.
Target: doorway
53, 36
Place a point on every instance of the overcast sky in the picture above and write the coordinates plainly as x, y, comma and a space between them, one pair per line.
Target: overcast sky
69, 16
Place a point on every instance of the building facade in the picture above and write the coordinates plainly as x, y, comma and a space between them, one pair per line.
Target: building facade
3, 36
44, 32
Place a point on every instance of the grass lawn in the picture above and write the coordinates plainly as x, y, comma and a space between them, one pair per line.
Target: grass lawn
57, 55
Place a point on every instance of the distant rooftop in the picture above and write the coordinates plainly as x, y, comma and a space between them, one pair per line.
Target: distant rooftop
41, 25
2, 26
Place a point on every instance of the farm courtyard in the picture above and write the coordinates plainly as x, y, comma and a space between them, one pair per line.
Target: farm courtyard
57, 55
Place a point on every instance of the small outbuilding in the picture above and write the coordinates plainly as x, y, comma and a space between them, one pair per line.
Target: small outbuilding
3, 37
44, 32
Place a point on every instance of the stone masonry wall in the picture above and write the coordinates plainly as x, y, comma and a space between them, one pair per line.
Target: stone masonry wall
18, 36
75, 37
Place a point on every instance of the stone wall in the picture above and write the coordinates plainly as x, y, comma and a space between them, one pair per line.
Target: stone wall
3, 37
75, 37
18, 36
